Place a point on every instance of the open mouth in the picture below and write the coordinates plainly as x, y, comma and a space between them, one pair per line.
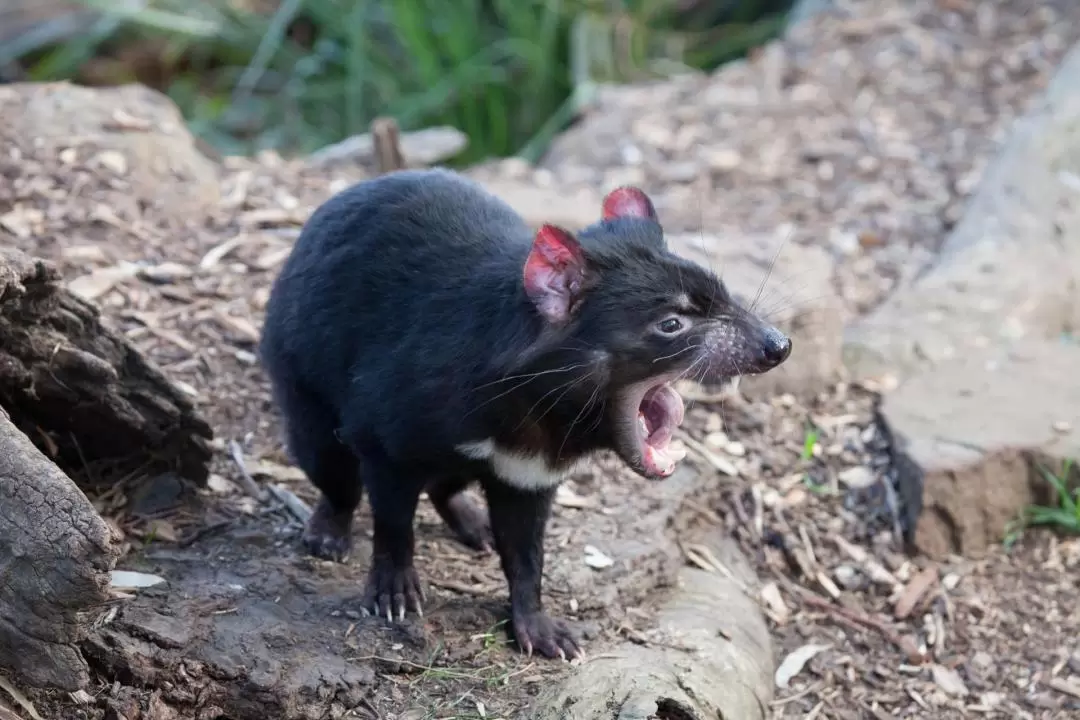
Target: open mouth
659, 413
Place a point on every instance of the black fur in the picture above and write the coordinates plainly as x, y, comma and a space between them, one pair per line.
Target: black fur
399, 329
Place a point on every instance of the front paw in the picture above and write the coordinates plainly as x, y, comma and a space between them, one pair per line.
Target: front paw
550, 637
392, 590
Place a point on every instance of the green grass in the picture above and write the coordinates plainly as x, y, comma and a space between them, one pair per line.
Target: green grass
509, 73
1063, 517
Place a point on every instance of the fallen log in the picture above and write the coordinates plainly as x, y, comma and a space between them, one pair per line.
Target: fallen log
88, 399
718, 663
76, 401
55, 556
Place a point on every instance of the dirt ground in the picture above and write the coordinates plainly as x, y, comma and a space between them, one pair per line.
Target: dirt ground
810, 506
803, 485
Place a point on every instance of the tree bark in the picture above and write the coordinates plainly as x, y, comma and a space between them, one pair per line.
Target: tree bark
85, 397
721, 665
55, 556
76, 401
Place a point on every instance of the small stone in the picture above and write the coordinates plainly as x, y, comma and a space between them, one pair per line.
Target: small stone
631, 154
723, 159
1074, 661
857, 478
847, 576
682, 172
736, 449
113, 161
982, 660
1062, 426
843, 242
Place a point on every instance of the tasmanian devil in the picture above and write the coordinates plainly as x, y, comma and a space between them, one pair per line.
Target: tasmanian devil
421, 337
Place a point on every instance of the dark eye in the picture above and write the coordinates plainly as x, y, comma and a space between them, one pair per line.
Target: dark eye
670, 326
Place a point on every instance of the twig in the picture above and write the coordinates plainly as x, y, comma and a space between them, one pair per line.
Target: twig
460, 587
388, 155
296, 507
722, 465
246, 481
906, 645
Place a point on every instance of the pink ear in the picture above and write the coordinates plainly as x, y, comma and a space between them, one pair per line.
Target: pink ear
554, 273
628, 202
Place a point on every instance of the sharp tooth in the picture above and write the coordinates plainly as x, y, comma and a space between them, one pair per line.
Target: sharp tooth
643, 425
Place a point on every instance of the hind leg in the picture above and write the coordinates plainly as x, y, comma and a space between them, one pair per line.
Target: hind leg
330, 466
467, 518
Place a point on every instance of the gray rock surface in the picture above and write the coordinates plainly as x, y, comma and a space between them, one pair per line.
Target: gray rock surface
981, 348
135, 133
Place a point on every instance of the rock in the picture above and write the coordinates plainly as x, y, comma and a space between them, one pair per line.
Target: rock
542, 205
133, 135
977, 346
970, 432
1009, 271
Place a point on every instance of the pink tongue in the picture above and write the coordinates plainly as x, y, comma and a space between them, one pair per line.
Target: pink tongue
660, 437
672, 402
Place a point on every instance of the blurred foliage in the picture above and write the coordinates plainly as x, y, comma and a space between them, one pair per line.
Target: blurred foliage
296, 75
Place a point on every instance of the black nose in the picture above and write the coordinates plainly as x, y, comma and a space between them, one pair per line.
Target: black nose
777, 346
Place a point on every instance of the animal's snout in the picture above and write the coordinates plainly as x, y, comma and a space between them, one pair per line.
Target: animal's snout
775, 346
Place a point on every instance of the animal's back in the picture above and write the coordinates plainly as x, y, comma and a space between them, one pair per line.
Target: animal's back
393, 284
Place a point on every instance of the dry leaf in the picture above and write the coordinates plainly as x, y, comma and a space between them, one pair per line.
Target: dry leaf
217, 483
272, 258
596, 559
566, 497
19, 698
84, 254
914, 592
218, 252
793, 664
281, 473
770, 595
163, 530
949, 680
131, 580
165, 272
724, 465
99, 282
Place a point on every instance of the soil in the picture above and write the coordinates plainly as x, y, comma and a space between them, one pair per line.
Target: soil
811, 504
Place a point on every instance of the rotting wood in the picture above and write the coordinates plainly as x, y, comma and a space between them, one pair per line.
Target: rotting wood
55, 557
88, 399
722, 666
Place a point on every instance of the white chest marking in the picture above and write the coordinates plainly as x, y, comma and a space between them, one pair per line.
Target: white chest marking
525, 472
